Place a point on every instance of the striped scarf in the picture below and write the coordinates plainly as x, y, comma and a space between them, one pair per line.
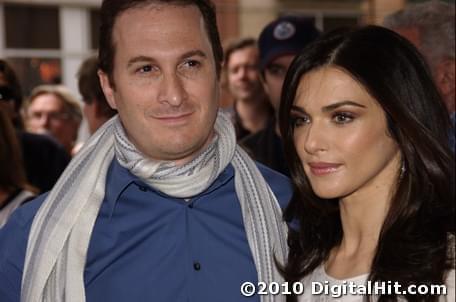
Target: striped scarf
61, 230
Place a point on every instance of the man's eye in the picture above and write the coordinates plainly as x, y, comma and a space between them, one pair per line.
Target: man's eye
277, 71
192, 64
145, 69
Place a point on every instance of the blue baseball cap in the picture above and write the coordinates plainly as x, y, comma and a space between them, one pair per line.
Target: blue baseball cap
285, 35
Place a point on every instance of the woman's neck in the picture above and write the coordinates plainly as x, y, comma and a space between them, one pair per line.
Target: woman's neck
362, 215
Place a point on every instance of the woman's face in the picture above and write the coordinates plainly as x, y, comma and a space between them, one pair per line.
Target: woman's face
341, 135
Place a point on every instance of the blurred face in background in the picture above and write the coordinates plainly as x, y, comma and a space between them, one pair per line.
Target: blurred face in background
341, 136
243, 74
46, 114
274, 75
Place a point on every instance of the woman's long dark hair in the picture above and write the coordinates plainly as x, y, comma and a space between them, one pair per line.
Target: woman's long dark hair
12, 173
412, 247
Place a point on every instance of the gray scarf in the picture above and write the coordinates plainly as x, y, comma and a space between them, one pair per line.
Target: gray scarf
61, 230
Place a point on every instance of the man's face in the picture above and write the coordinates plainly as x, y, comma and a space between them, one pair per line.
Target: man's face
274, 75
166, 87
243, 74
46, 115
443, 70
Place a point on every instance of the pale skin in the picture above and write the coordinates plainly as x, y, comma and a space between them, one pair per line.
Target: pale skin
40, 121
166, 89
342, 140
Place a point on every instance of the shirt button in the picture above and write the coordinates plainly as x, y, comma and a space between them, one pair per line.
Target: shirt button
143, 188
196, 266
190, 206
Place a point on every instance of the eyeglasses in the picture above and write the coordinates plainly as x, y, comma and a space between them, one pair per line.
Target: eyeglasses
54, 116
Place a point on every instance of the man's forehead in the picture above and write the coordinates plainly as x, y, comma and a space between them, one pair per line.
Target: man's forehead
282, 61
168, 9
161, 22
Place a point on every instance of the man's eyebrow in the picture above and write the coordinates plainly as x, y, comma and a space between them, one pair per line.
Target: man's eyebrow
192, 53
185, 55
139, 59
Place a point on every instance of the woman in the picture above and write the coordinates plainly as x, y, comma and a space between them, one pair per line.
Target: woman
366, 134
13, 186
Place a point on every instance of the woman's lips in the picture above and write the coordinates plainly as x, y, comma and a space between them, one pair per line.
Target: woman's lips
322, 168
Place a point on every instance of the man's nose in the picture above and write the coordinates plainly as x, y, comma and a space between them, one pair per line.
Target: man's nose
172, 90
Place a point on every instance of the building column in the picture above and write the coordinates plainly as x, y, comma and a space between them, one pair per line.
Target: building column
254, 15
74, 37
375, 10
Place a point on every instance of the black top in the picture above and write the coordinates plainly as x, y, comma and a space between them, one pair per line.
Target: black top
266, 147
44, 159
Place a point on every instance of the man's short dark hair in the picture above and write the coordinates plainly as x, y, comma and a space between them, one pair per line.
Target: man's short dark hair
90, 88
237, 44
111, 9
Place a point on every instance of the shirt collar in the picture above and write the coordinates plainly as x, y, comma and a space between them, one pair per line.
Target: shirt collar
119, 178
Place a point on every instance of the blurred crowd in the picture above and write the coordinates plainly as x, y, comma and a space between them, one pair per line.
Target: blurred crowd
39, 130
349, 132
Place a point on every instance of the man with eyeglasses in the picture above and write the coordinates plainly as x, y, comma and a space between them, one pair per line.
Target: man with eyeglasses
44, 159
53, 110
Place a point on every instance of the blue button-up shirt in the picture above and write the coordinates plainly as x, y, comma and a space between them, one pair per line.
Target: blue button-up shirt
147, 246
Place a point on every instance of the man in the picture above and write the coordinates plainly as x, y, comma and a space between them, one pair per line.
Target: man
430, 27
279, 42
44, 159
53, 110
251, 107
96, 109
160, 204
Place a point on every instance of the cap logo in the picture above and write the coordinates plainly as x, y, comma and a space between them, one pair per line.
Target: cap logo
284, 30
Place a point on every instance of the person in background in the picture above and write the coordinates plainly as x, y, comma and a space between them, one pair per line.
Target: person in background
160, 204
96, 109
14, 189
430, 27
252, 109
279, 42
44, 159
53, 110
374, 187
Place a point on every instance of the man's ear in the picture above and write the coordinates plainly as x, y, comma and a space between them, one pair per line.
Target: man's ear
107, 89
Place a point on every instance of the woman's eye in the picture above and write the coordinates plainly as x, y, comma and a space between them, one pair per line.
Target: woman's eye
343, 117
298, 121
